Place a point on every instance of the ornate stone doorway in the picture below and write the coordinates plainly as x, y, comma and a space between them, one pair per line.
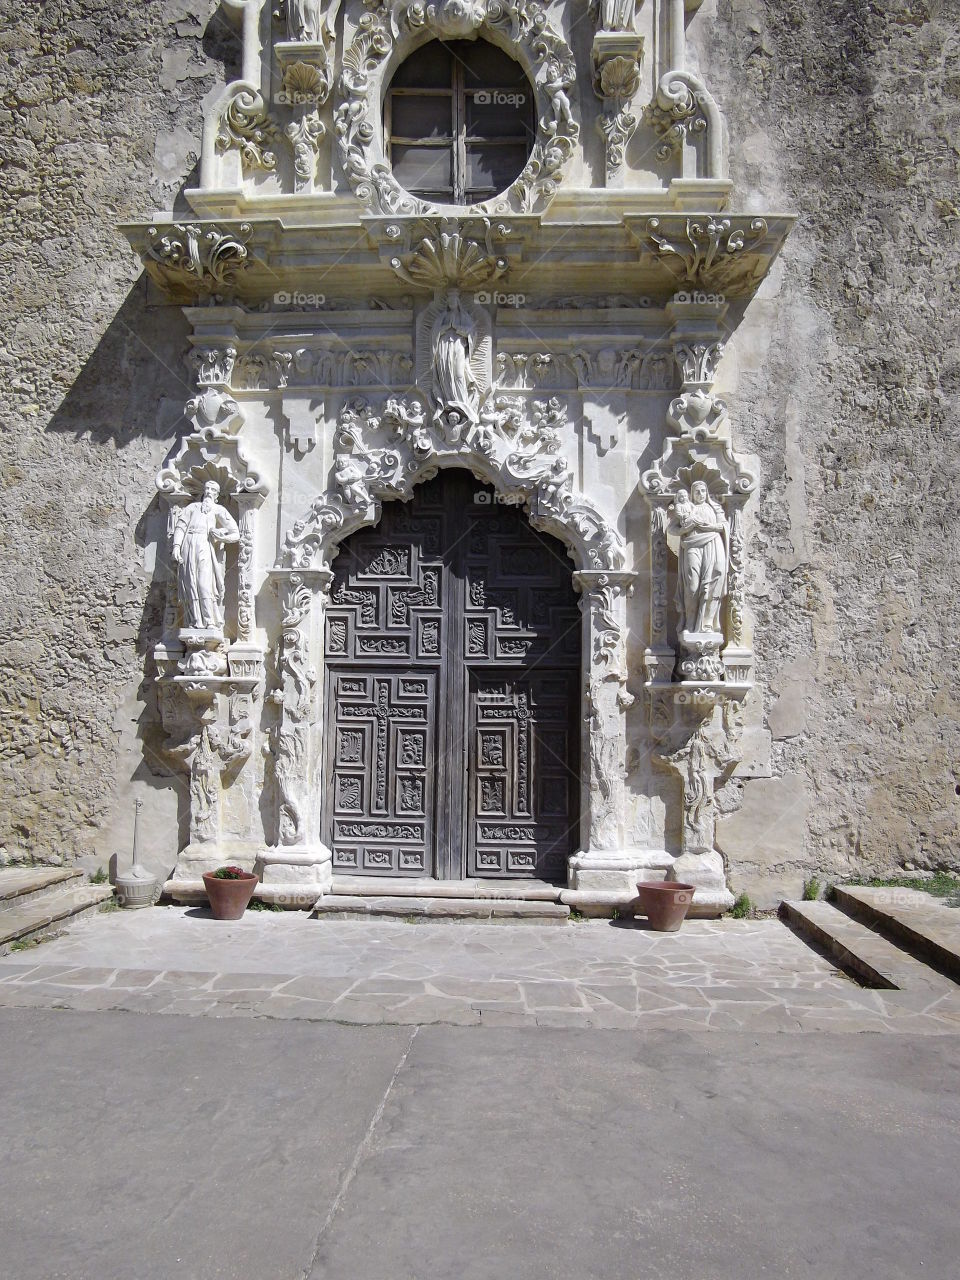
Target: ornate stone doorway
452, 660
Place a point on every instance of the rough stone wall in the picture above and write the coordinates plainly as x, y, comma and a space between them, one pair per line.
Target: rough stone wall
100, 122
848, 112
847, 371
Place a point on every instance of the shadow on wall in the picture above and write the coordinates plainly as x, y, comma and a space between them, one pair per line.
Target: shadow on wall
130, 394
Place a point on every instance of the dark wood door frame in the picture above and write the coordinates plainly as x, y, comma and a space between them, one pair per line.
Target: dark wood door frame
452, 627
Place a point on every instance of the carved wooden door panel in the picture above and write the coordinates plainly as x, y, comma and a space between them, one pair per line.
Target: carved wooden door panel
383, 651
522, 648
452, 653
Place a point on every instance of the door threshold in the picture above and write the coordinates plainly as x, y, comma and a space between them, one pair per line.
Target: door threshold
483, 890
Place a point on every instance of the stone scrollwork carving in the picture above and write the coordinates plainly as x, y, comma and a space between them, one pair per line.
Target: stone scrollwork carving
714, 253
186, 259
246, 126
385, 455
677, 111
386, 32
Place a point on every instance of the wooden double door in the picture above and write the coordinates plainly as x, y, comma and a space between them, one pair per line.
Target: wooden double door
452, 687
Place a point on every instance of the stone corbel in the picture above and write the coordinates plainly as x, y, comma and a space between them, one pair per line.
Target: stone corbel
698, 333
300, 414
617, 54
306, 64
190, 260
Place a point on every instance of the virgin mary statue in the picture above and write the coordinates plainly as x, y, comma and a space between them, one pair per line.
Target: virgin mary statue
453, 340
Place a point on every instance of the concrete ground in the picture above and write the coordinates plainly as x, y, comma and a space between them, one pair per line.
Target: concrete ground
146, 1148
386, 1101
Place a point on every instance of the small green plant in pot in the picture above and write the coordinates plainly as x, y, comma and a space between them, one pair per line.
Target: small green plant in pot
229, 890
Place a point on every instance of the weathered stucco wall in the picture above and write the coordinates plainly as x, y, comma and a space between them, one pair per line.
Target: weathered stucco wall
846, 372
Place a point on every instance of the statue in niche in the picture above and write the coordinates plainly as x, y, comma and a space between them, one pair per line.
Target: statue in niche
453, 341
304, 20
199, 551
704, 555
615, 15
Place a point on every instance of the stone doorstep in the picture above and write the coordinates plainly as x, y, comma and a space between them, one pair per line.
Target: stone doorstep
860, 952
437, 908
40, 914
19, 883
392, 887
914, 920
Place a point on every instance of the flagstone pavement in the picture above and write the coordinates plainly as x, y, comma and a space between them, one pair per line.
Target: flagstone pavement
724, 975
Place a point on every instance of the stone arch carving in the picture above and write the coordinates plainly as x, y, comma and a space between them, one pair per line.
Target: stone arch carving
389, 33
384, 455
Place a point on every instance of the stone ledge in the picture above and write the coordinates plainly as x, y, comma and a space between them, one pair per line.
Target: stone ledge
35, 917
516, 910
18, 882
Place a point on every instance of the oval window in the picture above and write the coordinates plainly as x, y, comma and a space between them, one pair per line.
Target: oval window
459, 122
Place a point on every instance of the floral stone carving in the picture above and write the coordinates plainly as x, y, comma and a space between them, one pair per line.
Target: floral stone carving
386, 33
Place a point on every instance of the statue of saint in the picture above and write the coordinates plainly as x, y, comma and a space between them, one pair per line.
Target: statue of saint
702, 574
453, 341
615, 15
304, 20
199, 551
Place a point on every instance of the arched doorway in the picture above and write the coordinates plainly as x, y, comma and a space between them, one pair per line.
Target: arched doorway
452, 693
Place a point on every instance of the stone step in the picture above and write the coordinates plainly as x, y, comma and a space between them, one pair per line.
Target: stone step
855, 948
505, 910
916, 921
19, 884
393, 887
44, 915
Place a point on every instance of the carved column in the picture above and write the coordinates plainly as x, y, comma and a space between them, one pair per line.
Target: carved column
604, 863
699, 666
298, 856
700, 748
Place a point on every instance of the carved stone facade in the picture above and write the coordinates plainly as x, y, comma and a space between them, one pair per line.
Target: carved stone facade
351, 340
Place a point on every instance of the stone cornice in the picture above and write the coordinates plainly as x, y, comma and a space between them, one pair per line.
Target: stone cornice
647, 254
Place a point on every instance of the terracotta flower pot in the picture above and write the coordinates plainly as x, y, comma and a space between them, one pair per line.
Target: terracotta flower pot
664, 903
229, 898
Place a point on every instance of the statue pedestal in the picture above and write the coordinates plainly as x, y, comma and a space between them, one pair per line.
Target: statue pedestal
616, 870
700, 655
306, 866
705, 872
205, 652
